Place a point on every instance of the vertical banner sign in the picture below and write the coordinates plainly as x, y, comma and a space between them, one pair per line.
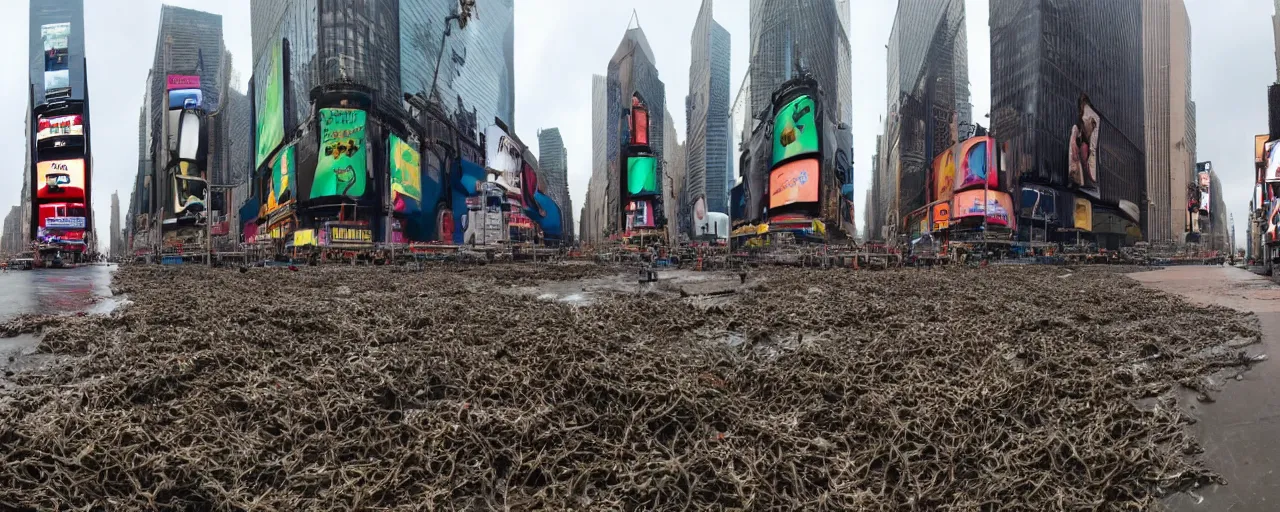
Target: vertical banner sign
269, 105
1082, 151
342, 169
57, 74
795, 130
406, 175
283, 178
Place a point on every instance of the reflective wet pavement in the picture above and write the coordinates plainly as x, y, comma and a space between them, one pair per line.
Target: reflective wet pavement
1240, 430
52, 291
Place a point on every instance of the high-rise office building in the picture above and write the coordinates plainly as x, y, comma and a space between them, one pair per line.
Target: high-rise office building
11, 239
114, 233
707, 114
788, 38
593, 218
554, 172
633, 87
1170, 156
58, 218
928, 94
1067, 81
679, 208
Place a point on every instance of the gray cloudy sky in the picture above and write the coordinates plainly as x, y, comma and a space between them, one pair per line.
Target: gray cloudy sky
561, 43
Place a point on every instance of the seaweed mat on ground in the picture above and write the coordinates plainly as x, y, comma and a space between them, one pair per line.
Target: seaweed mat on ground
377, 389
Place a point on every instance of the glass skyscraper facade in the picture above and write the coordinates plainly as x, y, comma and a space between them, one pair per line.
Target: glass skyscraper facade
477, 68
1046, 56
554, 172
707, 114
789, 36
928, 95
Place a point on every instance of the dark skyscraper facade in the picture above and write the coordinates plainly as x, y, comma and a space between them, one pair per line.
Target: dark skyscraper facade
928, 94
788, 36
632, 86
707, 109
1047, 59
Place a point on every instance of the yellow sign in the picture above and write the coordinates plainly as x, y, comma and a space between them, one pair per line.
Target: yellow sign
358, 235
304, 237
1083, 214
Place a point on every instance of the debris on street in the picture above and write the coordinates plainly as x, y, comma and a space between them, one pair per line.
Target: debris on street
953, 388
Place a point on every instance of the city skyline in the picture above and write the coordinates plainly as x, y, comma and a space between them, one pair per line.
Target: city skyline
1233, 115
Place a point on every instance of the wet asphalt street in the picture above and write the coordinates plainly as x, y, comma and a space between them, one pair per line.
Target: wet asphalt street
1240, 430
51, 292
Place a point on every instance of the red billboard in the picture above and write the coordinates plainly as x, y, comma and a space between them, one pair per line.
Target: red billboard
794, 182
61, 179
59, 126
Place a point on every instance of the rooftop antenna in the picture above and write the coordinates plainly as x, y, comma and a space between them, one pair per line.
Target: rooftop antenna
635, 18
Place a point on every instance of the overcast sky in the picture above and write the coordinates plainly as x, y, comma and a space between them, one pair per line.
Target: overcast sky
561, 43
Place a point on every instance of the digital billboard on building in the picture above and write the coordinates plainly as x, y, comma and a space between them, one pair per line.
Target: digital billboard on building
56, 47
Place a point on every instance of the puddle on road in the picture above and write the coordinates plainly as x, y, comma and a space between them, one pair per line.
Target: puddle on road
585, 292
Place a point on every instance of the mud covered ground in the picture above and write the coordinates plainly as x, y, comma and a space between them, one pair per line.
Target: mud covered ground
383, 389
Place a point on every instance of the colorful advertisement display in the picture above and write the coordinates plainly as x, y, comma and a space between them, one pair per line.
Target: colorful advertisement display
795, 130
1082, 153
1204, 180
284, 177
1273, 163
61, 179
1273, 221
944, 175
268, 101
185, 98
342, 169
941, 216
346, 234
639, 123
998, 209
502, 159
57, 56
640, 214
977, 168
794, 182
59, 126
188, 189
64, 223
182, 82
1083, 216
529, 191
406, 175
642, 176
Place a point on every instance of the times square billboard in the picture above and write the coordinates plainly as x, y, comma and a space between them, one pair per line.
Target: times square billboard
56, 50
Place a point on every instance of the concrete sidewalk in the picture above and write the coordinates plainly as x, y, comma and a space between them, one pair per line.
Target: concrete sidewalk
1240, 432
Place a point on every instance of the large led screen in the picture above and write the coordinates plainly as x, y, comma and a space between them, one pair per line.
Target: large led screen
341, 169
283, 179
1204, 180
59, 126
61, 179
977, 164
502, 159
795, 130
640, 214
57, 56
998, 208
188, 188
642, 176
944, 175
1083, 215
1082, 153
794, 182
1273, 162
268, 101
406, 175
639, 123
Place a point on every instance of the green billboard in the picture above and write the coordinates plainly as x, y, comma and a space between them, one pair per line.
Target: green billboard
795, 130
341, 169
406, 172
268, 100
283, 178
642, 175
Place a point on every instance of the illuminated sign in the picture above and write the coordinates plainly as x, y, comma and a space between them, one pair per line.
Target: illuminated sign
642, 176
342, 169
182, 82
795, 182
64, 222
349, 233
795, 130
57, 56
59, 126
61, 179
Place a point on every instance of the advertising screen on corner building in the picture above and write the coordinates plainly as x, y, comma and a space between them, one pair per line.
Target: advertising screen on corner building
57, 56
642, 175
795, 130
268, 103
342, 169
61, 179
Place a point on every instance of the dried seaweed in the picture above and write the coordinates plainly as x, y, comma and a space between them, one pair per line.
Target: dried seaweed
372, 388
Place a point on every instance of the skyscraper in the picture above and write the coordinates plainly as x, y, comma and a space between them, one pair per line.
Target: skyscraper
555, 173
1066, 74
116, 244
789, 37
1170, 155
707, 114
594, 218
633, 87
928, 94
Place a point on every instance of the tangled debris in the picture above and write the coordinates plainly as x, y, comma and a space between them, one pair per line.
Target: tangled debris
364, 388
